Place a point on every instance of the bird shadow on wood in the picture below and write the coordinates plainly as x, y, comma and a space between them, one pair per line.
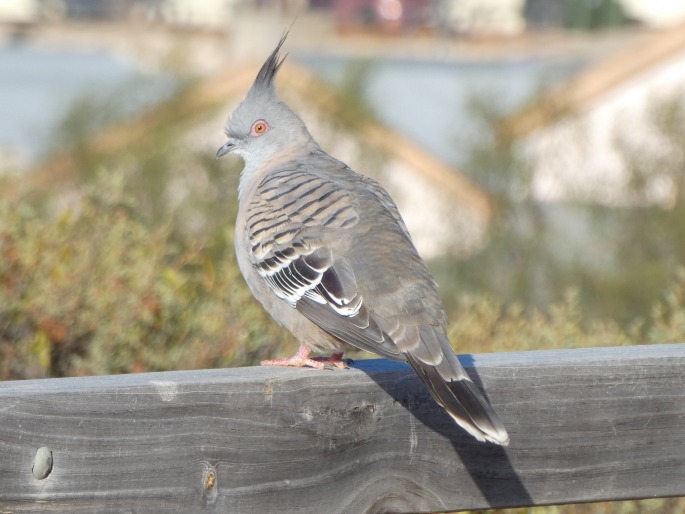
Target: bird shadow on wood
488, 464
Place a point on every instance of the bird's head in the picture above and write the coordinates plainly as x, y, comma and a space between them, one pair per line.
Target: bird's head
262, 126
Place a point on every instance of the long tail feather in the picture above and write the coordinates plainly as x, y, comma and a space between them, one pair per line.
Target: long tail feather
462, 400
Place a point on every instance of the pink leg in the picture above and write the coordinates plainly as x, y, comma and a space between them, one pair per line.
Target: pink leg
301, 358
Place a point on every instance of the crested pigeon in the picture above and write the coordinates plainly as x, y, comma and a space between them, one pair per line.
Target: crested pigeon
326, 252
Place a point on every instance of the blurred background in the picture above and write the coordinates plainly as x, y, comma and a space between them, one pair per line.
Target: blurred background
535, 148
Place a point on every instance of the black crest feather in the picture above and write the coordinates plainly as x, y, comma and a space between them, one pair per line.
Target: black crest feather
264, 83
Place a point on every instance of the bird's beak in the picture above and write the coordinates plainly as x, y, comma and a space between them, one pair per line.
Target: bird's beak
229, 146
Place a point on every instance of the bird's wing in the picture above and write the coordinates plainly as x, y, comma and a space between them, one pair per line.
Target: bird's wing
360, 280
297, 226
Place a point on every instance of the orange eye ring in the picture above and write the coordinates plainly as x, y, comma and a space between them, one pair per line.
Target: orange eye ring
258, 128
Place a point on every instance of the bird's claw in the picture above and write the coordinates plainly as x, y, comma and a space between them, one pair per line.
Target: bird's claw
302, 359
294, 362
334, 361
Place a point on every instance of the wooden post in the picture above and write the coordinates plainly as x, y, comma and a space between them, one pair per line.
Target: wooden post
585, 425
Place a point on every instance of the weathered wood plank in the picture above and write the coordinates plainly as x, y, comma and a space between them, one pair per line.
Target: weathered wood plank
585, 425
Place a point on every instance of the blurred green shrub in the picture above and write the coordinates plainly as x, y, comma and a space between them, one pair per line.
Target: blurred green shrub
486, 324
481, 323
94, 290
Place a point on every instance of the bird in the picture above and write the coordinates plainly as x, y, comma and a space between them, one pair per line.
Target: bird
326, 252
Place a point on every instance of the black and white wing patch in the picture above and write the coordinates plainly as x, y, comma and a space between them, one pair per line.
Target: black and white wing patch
294, 276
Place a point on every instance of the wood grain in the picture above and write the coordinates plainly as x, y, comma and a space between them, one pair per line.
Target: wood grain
585, 425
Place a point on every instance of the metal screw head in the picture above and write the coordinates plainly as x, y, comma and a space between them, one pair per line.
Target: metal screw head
42, 463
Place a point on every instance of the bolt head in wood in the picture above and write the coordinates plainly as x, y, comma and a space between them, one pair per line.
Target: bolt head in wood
42, 463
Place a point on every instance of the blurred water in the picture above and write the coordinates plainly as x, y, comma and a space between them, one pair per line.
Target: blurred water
428, 101
38, 87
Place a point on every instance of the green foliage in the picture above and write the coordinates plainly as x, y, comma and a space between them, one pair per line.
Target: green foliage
482, 324
594, 14
486, 324
96, 291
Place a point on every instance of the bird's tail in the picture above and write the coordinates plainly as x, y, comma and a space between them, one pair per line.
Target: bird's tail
461, 399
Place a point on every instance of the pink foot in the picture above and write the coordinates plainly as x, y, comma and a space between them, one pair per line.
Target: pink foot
301, 359
334, 360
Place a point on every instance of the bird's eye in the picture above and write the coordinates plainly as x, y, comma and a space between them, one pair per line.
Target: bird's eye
258, 128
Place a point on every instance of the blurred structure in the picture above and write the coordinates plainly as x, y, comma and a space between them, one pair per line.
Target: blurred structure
656, 13
211, 14
459, 17
389, 16
607, 123
19, 11
503, 17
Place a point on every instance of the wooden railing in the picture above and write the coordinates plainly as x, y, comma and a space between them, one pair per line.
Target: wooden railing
585, 425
